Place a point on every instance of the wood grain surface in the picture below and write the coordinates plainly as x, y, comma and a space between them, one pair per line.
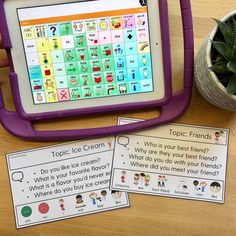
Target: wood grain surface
148, 215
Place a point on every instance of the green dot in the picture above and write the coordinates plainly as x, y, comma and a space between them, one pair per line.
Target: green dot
26, 211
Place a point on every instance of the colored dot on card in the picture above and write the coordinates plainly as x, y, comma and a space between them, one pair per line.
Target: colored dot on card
43, 208
26, 211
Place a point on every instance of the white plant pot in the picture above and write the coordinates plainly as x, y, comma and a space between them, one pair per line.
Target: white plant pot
207, 82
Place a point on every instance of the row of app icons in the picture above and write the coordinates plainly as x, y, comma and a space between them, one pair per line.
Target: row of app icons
73, 81
108, 54
82, 202
89, 25
86, 92
92, 66
140, 36
141, 73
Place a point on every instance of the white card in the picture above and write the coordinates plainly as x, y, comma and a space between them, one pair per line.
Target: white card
174, 160
64, 181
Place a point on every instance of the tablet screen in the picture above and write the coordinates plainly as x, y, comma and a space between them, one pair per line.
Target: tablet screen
88, 49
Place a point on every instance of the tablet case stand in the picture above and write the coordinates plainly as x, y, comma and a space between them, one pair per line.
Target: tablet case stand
176, 105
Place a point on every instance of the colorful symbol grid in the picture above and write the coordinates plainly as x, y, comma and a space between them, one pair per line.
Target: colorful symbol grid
98, 57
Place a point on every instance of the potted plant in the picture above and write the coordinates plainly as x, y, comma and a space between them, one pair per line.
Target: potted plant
215, 65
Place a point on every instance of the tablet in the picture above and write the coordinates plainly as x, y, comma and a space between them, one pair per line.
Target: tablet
86, 54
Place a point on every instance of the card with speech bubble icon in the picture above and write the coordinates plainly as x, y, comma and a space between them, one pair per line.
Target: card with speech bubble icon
174, 160
63, 181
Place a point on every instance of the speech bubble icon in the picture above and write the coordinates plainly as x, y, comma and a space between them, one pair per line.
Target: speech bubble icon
123, 141
17, 176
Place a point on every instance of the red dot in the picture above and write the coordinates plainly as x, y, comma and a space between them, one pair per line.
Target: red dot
43, 208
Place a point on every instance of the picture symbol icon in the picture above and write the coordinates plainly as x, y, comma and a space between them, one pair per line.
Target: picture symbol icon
130, 36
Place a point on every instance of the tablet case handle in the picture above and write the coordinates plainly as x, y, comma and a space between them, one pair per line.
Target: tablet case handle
177, 104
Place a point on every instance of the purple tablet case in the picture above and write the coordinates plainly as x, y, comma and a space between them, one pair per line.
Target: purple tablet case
173, 105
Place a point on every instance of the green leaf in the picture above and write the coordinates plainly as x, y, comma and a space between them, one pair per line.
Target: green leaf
231, 66
234, 25
223, 49
219, 58
231, 88
227, 32
234, 49
220, 67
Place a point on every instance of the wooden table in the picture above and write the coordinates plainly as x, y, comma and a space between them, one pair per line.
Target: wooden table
148, 215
